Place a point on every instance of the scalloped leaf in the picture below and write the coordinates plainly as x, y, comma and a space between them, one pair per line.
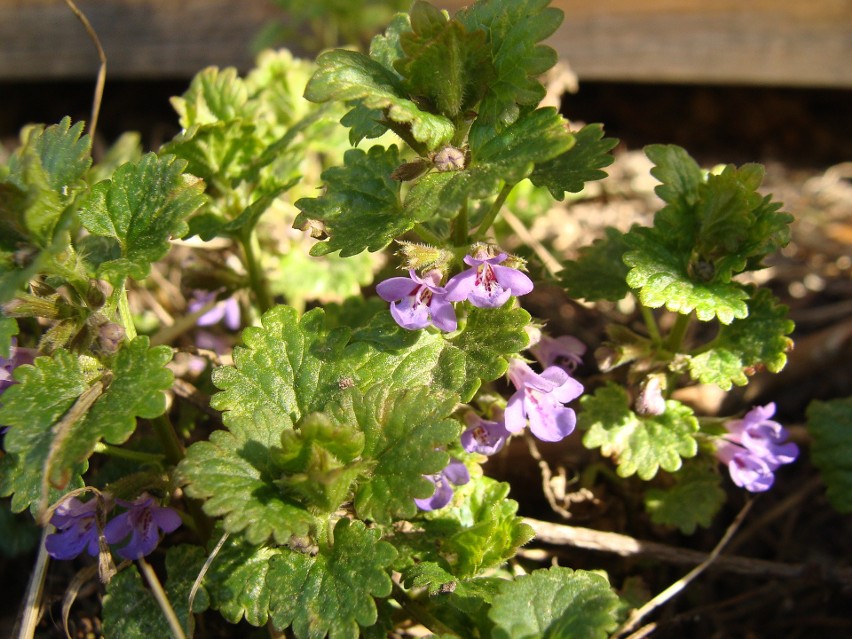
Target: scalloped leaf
332, 593
640, 444
599, 272
214, 95
569, 172
557, 602
403, 431
479, 529
360, 209
661, 278
235, 472
444, 63
137, 389
141, 207
514, 29
508, 157
288, 366
45, 393
693, 500
46, 173
236, 581
347, 75
130, 610
488, 339
830, 425
758, 340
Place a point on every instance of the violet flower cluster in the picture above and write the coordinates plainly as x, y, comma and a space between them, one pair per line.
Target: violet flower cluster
754, 447
417, 302
227, 310
77, 528
539, 399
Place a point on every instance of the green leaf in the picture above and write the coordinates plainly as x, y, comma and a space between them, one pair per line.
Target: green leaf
8, 330
508, 157
45, 393
236, 473
142, 207
429, 575
329, 278
759, 340
45, 174
444, 63
333, 592
137, 389
830, 426
347, 75
321, 460
236, 581
598, 273
513, 28
288, 366
678, 173
693, 500
661, 278
488, 339
712, 228
214, 95
482, 531
555, 603
360, 208
130, 610
218, 152
582, 163
640, 444
402, 431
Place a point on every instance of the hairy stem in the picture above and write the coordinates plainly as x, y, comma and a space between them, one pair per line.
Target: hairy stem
491, 215
675, 338
460, 228
257, 280
650, 323
125, 316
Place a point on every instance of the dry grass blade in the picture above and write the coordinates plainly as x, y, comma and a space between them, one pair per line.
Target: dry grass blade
99, 85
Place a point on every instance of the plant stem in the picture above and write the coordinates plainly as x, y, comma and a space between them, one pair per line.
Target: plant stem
125, 315
650, 323
256, 278
460, 229
427, 236
675, 338
404, 132
172, 448
491, 215
420, 614
124, 453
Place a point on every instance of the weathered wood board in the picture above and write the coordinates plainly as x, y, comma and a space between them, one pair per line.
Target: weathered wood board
760, 42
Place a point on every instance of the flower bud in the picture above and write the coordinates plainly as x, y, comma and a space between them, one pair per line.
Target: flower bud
449, 159
650, 400
110, 337
422, 256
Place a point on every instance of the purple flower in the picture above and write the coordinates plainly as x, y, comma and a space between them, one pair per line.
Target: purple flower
143, 521
77, 526
484, 436
540, 399
418, 302
564, 351
754, 447
486, 284
455, 473
227, 309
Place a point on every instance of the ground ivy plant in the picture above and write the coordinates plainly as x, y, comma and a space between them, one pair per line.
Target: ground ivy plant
331, 483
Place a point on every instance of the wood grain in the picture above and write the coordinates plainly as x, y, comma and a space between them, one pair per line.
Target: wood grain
759, 42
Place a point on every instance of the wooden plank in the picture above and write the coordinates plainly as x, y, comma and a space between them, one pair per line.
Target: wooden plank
42, 39
762, 42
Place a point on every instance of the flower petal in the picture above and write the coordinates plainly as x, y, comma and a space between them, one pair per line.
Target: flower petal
513, 279
396, 288
459, 286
